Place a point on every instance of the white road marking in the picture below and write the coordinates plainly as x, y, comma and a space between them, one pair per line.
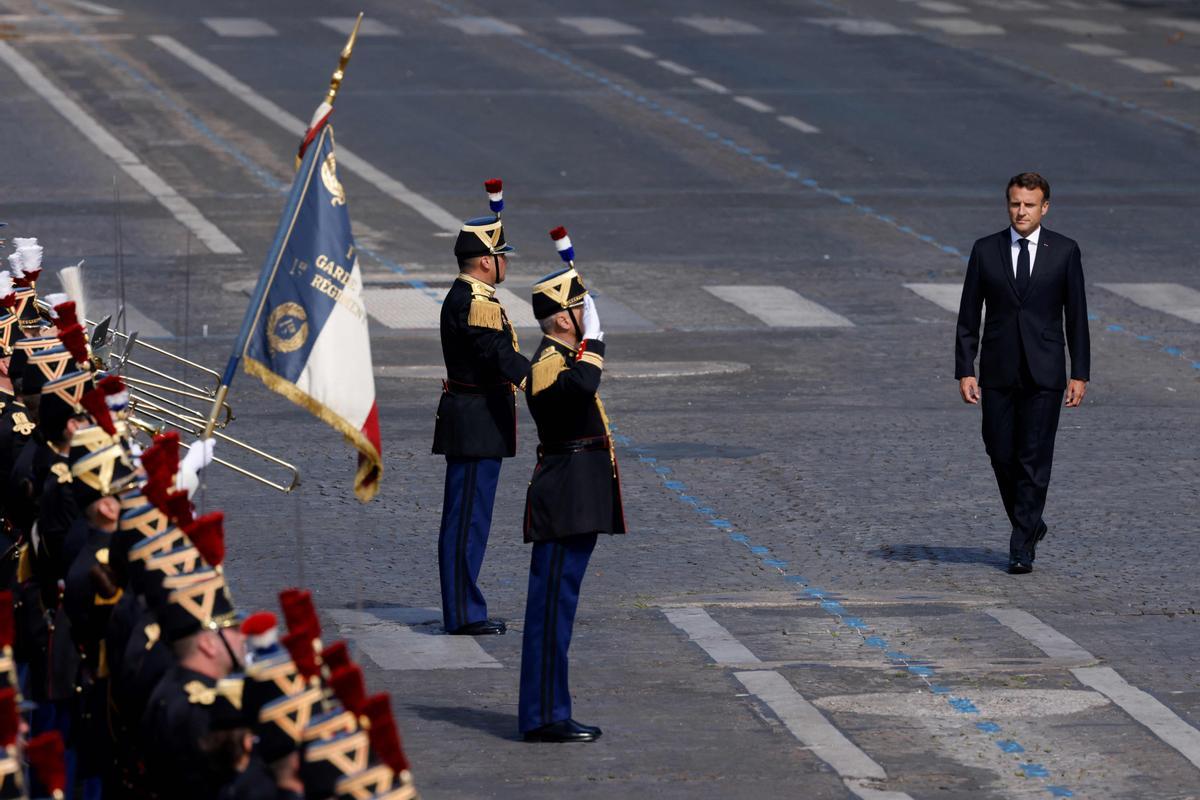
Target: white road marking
1190, 81
484, 26
94, 8
135, 318
671, 66
712, 86
413, 309
720, 26
710, 635
1096, 49
369, 27
1013, 5
58, 38
798, 124
810, 726
942, 7
239, 26
622, 370
640, 52
1185, 25
946, 295
1162, 721
182, 209
431, 211
779, 307
1082, 27
752, 104
1146, 65
1169, 298
1091, 6
600, 26
410, 638
961, 26
858, 27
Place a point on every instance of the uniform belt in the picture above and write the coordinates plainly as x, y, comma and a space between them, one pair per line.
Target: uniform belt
458, 387
573, 446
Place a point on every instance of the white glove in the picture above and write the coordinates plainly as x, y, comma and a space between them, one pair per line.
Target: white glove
591, 320
199, 456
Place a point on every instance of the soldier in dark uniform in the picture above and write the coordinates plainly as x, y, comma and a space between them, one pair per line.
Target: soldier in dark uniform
477, 418
573, 496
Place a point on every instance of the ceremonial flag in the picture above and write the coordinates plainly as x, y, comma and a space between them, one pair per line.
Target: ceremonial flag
305, 332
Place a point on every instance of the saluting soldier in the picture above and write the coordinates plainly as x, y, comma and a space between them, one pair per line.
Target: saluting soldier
574, 495
477, 416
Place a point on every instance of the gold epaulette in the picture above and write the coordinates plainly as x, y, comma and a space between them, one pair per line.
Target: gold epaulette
595, 359
545, 370
485, 313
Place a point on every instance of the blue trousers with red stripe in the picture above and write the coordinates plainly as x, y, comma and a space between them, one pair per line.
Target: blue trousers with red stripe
466, 523
555, 574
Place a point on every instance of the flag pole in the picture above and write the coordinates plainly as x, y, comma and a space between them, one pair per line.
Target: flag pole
259, 295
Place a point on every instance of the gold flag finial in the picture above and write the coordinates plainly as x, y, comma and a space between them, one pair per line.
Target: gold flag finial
335, 82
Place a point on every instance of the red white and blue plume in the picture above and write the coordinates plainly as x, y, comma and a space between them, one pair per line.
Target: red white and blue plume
562, 243
495, 192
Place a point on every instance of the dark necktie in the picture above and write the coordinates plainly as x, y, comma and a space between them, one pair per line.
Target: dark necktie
1023, 267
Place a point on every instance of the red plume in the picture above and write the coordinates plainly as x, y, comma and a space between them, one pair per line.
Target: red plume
493, 185
9, 721
66, 315
162, 453
74, 339
7, 620
299, 612
45, 755
336, 656
347, 684
115, 384
93, 401
300, 645
178, 508
385, 736
207, 534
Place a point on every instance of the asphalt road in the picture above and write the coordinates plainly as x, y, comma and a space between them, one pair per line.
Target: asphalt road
812, 602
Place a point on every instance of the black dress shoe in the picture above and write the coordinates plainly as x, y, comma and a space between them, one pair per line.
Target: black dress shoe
1016, 567
485, 627
567, 730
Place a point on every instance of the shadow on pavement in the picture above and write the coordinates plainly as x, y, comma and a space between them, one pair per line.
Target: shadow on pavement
948, 555
503, 726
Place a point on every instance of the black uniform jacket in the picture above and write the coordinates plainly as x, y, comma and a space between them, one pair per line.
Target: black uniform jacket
576, 488
477, 415
1033, 324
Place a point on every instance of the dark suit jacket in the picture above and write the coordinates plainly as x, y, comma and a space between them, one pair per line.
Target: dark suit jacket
1033, 324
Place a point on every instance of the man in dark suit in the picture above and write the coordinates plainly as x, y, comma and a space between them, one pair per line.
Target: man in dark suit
1031, 280
476, 422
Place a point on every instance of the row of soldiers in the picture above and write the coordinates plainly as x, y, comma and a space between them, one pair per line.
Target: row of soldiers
126, 671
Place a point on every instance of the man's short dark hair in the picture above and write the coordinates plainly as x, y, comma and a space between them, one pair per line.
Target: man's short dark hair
1029, 180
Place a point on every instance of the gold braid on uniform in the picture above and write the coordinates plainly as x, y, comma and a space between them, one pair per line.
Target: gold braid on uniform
545, 370
612, 450
485, 313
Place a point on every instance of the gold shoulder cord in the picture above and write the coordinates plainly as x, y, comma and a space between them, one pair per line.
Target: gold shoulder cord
485, 314
546, 369
612, 452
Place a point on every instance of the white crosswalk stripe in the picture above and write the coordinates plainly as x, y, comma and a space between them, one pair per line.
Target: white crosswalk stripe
946, 295
409, 638
753, 104
1185, 25
484, 26
961, 26
720, 26
1082, 27
600, 26
858, 27
1013, 5
1146, 65
798, 124
779, 306
402, 308
369, 27
239, 27
1190, 81
942, 7
1169, 298
1095, 49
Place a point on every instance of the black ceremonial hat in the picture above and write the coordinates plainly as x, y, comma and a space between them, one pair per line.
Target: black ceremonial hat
481, 236
558, 291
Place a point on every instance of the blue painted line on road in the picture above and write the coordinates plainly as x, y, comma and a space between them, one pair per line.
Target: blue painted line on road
759, 550
739, 537
1060, 791
1009, 746
720, 523
988, 727
260, 173
1035, 771
923, 672
675, 486
876, 641
963, 704
663, 470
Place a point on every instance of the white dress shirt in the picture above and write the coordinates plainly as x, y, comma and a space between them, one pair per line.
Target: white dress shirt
1032, 247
